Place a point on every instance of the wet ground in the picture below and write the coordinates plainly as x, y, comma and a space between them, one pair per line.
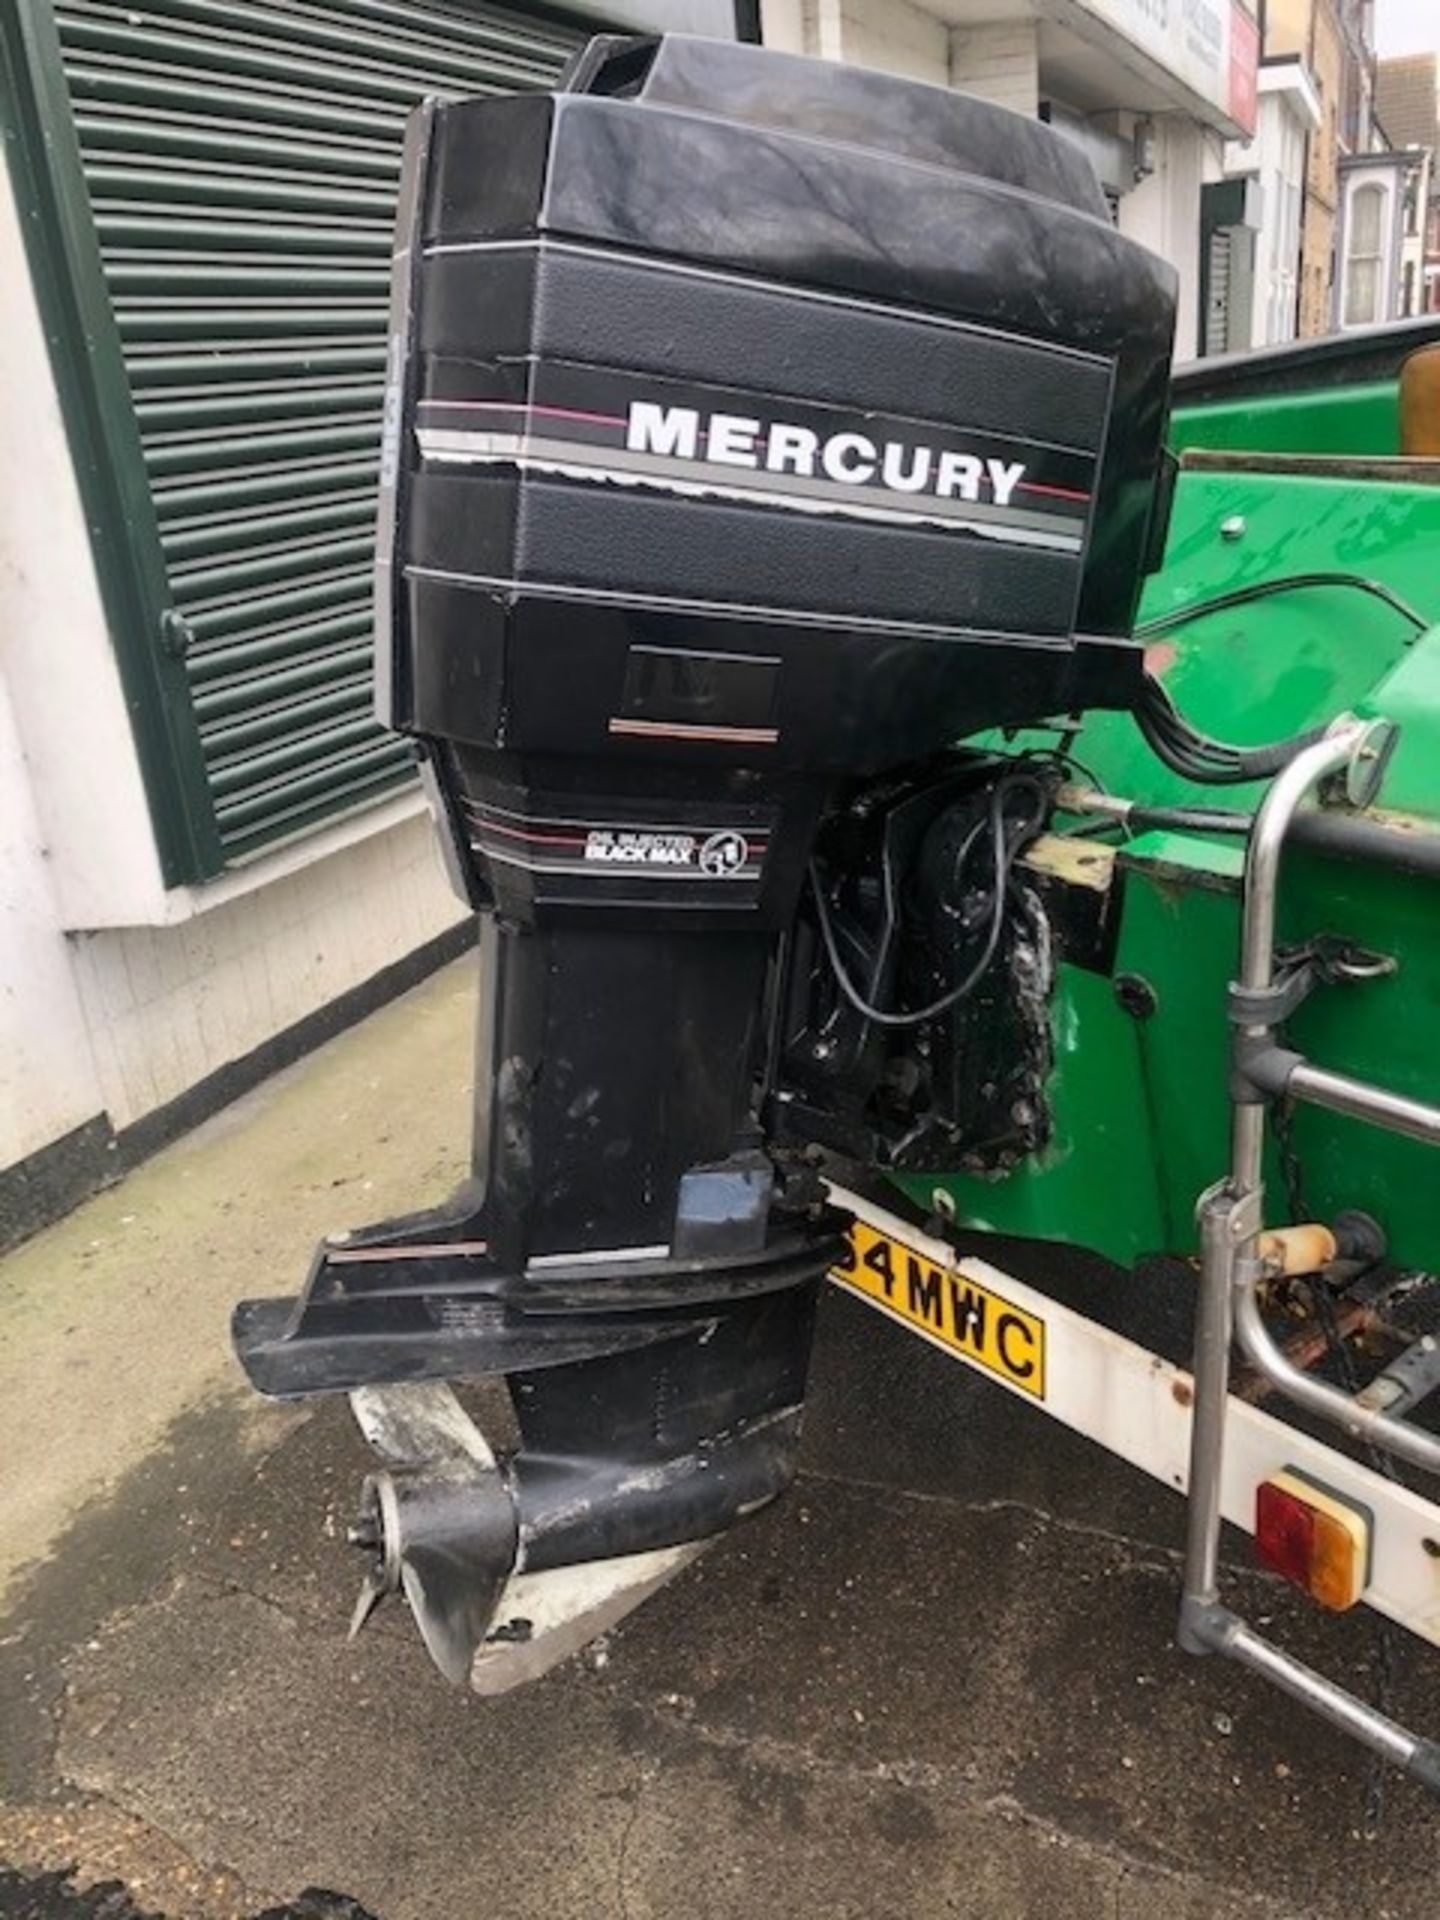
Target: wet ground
937, 1680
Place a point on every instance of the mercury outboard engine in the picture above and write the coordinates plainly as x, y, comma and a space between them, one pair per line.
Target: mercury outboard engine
757, 428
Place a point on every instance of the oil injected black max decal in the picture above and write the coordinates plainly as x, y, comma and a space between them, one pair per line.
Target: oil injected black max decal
636, 849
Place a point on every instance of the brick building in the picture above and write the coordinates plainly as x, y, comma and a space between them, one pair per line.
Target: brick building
1335, 41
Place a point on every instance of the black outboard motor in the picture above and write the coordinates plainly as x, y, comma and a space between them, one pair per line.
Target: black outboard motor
756, 429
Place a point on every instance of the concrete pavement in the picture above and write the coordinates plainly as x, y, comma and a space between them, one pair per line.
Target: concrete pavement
936, 1680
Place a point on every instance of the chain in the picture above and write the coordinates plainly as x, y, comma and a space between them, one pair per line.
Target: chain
1282, 1119
1383, 1656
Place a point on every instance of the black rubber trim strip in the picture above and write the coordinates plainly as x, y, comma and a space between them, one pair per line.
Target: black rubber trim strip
1376, 353
55, 1178
1381, 843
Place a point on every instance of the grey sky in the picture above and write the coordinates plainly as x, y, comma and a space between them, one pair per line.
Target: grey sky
1407, 26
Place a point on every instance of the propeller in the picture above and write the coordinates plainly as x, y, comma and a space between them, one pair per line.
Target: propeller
437, 1521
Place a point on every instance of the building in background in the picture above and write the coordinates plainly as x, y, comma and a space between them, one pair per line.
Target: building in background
1308, 31
1334, 43
1152, 89
1380, 236
1253, 219
1407, 105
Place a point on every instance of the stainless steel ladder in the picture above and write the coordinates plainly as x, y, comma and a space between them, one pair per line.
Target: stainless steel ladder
1231, 1219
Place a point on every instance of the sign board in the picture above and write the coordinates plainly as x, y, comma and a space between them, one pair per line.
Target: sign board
1211, 46
1244, 67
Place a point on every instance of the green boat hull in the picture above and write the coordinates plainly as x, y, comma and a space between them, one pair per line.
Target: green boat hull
1139, 1088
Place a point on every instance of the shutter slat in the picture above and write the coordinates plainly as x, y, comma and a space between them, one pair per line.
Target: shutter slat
306, 712
236, 186
231, 618
156, 136
330, 672
316, 359
211, 536
279, 480
239, 273
171, 90
226, 405
209, 451
297, 640
228, 321
142, 44
133, 224
242, 159
259, 762
250, 809
407, 32
265, 40
278, 563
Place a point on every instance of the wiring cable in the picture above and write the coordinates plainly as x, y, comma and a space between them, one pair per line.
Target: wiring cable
1197, 757
1284, 583
1194, 755
1005, 848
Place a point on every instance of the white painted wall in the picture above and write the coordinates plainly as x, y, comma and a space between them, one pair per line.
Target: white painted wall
166, 1006
123, 1020
1000, 63
783, 25
996, 61
1412, 244
48, 1085
68, 703
1289, 111
894, 37
891, 36
1163, 213
1282, 152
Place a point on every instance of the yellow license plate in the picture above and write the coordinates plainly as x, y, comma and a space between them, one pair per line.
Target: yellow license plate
949, 1305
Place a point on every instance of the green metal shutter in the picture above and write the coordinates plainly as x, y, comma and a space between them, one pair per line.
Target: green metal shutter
242, 162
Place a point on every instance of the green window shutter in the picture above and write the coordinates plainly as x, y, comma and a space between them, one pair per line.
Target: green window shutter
242, 162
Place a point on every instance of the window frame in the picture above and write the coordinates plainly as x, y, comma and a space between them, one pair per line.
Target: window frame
1367, 190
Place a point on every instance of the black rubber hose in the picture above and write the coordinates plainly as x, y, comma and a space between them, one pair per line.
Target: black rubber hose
1189, 819
1286, 583
1004, 851
1195, 756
